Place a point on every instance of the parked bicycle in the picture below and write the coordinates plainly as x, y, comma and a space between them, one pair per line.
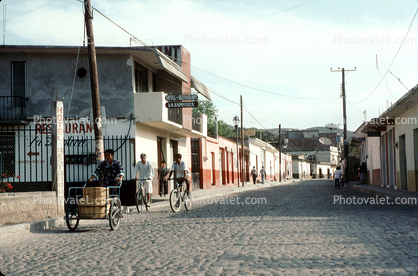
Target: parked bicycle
179, 195
140, 198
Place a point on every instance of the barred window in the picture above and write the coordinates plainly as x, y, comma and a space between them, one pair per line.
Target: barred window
141, 78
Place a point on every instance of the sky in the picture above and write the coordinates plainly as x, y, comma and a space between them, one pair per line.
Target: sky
277, 54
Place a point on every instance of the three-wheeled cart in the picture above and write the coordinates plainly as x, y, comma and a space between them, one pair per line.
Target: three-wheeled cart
93, 203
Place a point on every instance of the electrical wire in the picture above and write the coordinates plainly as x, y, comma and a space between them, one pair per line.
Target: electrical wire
253, 117
252, 88
313, 111
165, 57
237, 24
393, 60
75, 75
29, 11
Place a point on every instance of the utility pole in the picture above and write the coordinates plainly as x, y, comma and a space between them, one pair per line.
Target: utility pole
242, 144
345, 122
280, 152
94, 80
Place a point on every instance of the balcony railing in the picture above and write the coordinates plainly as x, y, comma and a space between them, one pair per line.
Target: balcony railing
13, 108
175, 115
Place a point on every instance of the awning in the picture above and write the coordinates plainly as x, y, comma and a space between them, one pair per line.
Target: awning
201, 88
170, 66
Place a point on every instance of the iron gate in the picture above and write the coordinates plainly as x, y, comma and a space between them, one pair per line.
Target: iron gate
80, 157
25, 158
195, 143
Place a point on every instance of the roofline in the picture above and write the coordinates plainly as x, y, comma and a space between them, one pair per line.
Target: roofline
404, 98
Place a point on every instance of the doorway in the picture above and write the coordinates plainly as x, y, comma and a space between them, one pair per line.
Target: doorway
402, 163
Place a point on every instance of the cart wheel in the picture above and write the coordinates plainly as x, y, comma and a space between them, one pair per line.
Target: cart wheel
188, 201
115, 213
139, 200
71, 216
175, 201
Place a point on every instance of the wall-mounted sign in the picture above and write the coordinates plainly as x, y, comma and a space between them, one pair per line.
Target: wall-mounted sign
180, 104
192, 97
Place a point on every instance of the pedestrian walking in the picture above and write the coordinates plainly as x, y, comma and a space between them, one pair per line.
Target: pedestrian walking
145, 170
263, 174
363, 173
254, 174
162, 173
337, 177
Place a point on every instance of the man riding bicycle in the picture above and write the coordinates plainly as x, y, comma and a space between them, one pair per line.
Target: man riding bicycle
145, 170
180, 169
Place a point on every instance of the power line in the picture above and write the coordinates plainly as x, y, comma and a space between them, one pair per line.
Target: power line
30, 11
165, 57
254, 117
237, 24
252, 88
393, 60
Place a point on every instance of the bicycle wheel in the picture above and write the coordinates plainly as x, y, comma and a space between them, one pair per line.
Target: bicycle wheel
175, 201
188, 201
71, 216
139, 200
115, 213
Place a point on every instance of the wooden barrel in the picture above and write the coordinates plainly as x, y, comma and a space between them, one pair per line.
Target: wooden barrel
93, 203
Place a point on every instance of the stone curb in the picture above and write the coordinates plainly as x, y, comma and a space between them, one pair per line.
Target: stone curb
47, 224
380, 193
28, 227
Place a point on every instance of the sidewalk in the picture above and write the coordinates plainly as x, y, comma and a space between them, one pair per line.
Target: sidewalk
157, 202
404, 197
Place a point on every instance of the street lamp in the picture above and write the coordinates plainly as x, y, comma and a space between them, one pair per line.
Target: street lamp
236, 123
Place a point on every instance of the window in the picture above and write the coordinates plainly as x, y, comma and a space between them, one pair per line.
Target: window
19, 82
154, 82
141, 78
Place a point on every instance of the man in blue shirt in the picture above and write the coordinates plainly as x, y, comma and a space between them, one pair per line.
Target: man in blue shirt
110, 168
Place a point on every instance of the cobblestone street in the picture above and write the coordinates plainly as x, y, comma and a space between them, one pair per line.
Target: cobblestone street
295, 229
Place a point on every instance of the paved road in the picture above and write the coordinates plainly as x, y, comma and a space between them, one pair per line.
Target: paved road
299, 231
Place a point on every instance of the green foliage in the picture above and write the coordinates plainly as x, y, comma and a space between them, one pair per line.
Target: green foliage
209, 109
266, 136
206, 107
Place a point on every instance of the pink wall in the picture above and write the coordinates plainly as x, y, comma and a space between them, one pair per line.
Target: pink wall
213, 150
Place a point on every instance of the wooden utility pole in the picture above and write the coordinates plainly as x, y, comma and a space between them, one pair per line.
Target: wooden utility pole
345, 122
280, 153
94, 80
242, 144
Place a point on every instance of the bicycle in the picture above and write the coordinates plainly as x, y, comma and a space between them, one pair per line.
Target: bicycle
140, 199
178, 195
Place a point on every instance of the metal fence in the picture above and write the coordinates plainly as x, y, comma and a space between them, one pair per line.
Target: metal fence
25, 159
13, 108
80, 158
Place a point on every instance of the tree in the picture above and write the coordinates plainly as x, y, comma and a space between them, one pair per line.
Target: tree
266, 135
209, 109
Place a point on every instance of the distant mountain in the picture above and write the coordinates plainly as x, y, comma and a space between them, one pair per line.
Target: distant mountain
319, 128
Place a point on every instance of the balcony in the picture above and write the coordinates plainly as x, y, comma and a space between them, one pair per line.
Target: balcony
13, 110
150, 110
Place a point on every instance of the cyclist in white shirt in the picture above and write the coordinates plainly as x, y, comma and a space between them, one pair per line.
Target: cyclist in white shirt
181, 170
145, 170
